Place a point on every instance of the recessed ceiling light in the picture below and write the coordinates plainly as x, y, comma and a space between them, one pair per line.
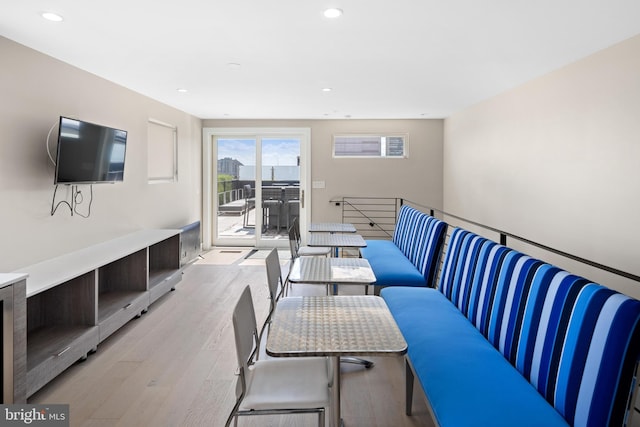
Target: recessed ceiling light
326, 89
182, 90
332, 13
50, 16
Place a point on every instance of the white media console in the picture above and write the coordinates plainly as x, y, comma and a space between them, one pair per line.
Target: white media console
75, 301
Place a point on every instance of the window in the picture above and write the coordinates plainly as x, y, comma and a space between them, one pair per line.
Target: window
369, 146
162, 151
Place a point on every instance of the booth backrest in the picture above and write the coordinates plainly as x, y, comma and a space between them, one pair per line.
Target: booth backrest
576, 342
420, 238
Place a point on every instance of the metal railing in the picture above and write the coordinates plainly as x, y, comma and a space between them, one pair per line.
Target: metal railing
232, 190
375, 218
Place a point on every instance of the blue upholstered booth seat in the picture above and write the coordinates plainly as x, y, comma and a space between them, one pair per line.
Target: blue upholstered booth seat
466, 380
390, 266
507, 339
411, 258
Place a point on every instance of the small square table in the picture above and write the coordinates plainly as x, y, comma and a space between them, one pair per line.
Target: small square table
336, 240
321, 270
331, 227
334, 326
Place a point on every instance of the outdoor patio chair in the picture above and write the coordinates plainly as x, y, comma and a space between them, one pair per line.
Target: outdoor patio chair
249, 203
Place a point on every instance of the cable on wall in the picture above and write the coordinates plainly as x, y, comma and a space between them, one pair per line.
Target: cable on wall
77, 199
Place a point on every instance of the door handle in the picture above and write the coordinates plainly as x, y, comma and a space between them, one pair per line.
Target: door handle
302, 199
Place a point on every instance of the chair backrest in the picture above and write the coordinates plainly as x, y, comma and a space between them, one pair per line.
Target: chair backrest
296, 229
292, 193
274, 278
293, 242
247, 191
245, 330
420, 237
272, 193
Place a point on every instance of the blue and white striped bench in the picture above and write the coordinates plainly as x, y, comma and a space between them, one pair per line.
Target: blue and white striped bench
412, 257
508, 340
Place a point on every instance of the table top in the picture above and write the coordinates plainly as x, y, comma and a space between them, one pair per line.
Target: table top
344, 325
332, 227
336, 240
324, 270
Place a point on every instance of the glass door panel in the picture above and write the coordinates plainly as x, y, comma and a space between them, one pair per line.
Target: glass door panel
280, 187
236, 191
255, 185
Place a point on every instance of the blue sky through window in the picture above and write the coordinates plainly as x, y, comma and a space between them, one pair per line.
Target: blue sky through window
275, 151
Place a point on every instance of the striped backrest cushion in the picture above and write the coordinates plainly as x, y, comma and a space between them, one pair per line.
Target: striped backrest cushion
576, 342
403, 235
579, 346
467, 270
507, 309
485, 284
456, 253
420, 238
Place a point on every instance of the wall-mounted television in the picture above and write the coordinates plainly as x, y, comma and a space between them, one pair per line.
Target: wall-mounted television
89, 153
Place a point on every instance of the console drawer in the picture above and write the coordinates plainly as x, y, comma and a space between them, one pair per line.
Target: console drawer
51, 358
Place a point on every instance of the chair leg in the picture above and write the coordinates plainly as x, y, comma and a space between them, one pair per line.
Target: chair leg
234, 414
321, 418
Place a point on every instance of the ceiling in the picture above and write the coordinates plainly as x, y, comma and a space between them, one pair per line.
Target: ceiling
259, 59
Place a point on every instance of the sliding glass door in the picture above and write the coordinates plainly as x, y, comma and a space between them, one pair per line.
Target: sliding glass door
250, 208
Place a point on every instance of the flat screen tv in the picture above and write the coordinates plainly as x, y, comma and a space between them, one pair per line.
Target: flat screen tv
89, 153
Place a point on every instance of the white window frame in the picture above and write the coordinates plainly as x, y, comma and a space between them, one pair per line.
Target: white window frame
162, 154
383, 138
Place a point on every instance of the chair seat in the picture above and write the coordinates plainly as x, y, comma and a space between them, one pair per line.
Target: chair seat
313, 251
289, 383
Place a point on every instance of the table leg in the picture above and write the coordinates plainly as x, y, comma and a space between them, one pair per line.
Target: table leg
336, 420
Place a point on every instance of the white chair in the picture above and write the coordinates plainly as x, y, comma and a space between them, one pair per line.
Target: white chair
297, 250
277, 287
275, 386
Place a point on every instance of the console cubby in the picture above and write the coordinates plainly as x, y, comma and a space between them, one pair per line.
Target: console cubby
61, 328
164, 267
77, 300
122, 294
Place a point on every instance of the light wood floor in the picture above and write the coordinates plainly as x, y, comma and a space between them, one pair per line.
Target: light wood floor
174, 366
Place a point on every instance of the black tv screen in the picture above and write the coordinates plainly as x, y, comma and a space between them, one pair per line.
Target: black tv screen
89, 153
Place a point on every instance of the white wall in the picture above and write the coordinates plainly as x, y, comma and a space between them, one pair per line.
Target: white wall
36, 90
417, 178
557, 161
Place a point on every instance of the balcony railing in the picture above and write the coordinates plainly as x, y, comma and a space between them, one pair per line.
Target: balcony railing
375, 218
